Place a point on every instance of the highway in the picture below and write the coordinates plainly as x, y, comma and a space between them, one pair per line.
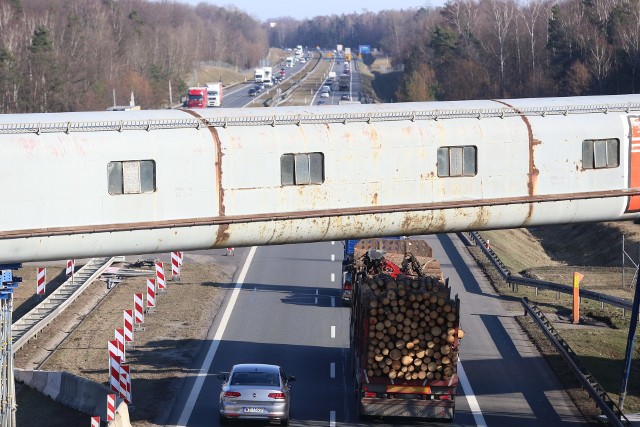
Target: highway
288, 312
284, 308
237, 96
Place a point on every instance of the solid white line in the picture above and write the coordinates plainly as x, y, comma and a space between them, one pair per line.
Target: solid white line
332, 418
208, 360
333, 257
471, 398
333, 277
332, 370
333, 332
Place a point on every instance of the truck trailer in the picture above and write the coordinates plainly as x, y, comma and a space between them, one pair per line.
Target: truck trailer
405, 331
344, 82
214, 94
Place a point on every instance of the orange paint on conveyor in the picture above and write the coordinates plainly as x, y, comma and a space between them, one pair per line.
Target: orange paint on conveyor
634, 163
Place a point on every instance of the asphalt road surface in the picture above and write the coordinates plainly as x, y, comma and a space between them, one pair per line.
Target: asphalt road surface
285, 309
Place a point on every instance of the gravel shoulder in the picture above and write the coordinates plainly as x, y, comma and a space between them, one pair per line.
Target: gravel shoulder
162, 354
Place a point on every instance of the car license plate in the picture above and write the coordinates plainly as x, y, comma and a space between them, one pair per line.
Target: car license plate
253, 410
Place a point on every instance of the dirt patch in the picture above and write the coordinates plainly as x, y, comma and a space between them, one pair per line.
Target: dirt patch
171, 340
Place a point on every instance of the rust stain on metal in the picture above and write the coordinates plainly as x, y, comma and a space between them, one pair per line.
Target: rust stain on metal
374, 201
533, 172
223, 234
437, 210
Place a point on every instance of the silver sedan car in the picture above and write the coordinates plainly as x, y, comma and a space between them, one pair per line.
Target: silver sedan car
255, 392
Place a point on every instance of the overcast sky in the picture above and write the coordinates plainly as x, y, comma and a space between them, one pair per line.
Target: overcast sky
269, 9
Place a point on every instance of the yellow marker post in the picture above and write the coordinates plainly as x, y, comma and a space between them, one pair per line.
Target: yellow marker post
577, 277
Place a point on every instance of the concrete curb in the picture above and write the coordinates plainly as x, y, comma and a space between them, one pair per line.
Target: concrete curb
75, 392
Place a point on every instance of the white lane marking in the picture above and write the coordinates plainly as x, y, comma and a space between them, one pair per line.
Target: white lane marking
333, 301
316, 296
333, 332
213, 348
332, 418
471, 398
332, 370
333, 277
333, 257
333, 242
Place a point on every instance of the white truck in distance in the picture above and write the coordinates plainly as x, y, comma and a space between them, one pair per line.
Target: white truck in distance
258, 75
214, 94
267, 76
290, 61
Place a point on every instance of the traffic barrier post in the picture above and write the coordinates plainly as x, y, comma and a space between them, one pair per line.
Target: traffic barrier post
151, 295
41, 281
119, 333
175, 265
160, 279
128, 326
111, 407
138, 304
125, 383
95, 421
114, 372
71, 265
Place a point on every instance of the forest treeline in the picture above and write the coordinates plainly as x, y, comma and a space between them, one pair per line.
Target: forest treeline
70, 55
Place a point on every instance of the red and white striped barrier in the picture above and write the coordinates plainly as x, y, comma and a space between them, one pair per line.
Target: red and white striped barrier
114, 367
41, 281
95, 421
175, 265
125, 383
121, 349
111, 407
160, 280
151, 294
71, 265
128, 325
180, 257
138, 310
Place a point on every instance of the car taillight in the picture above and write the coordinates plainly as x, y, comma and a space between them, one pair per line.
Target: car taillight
369, 394
347, 286
276, 395
445, 397
231, 394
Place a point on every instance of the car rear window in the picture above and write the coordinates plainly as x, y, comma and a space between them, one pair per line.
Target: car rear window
255, 378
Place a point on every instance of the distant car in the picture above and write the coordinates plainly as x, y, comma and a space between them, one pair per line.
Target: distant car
259, 87
255, 392
252, 92
345, 97
322, 102
324, 94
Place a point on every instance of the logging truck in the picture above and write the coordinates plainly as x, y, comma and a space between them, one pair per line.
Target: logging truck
405, 330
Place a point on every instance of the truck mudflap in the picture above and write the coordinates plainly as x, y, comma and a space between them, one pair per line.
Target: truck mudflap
414, 408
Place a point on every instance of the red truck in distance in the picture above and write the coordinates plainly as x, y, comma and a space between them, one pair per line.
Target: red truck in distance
197, 97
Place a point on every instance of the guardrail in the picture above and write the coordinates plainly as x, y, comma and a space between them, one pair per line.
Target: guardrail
28, 326
542, 284
595, 390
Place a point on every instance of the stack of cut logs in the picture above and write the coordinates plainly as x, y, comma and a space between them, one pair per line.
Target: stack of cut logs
413, 328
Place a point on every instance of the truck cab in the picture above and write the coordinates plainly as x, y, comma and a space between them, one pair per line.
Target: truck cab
198, 97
